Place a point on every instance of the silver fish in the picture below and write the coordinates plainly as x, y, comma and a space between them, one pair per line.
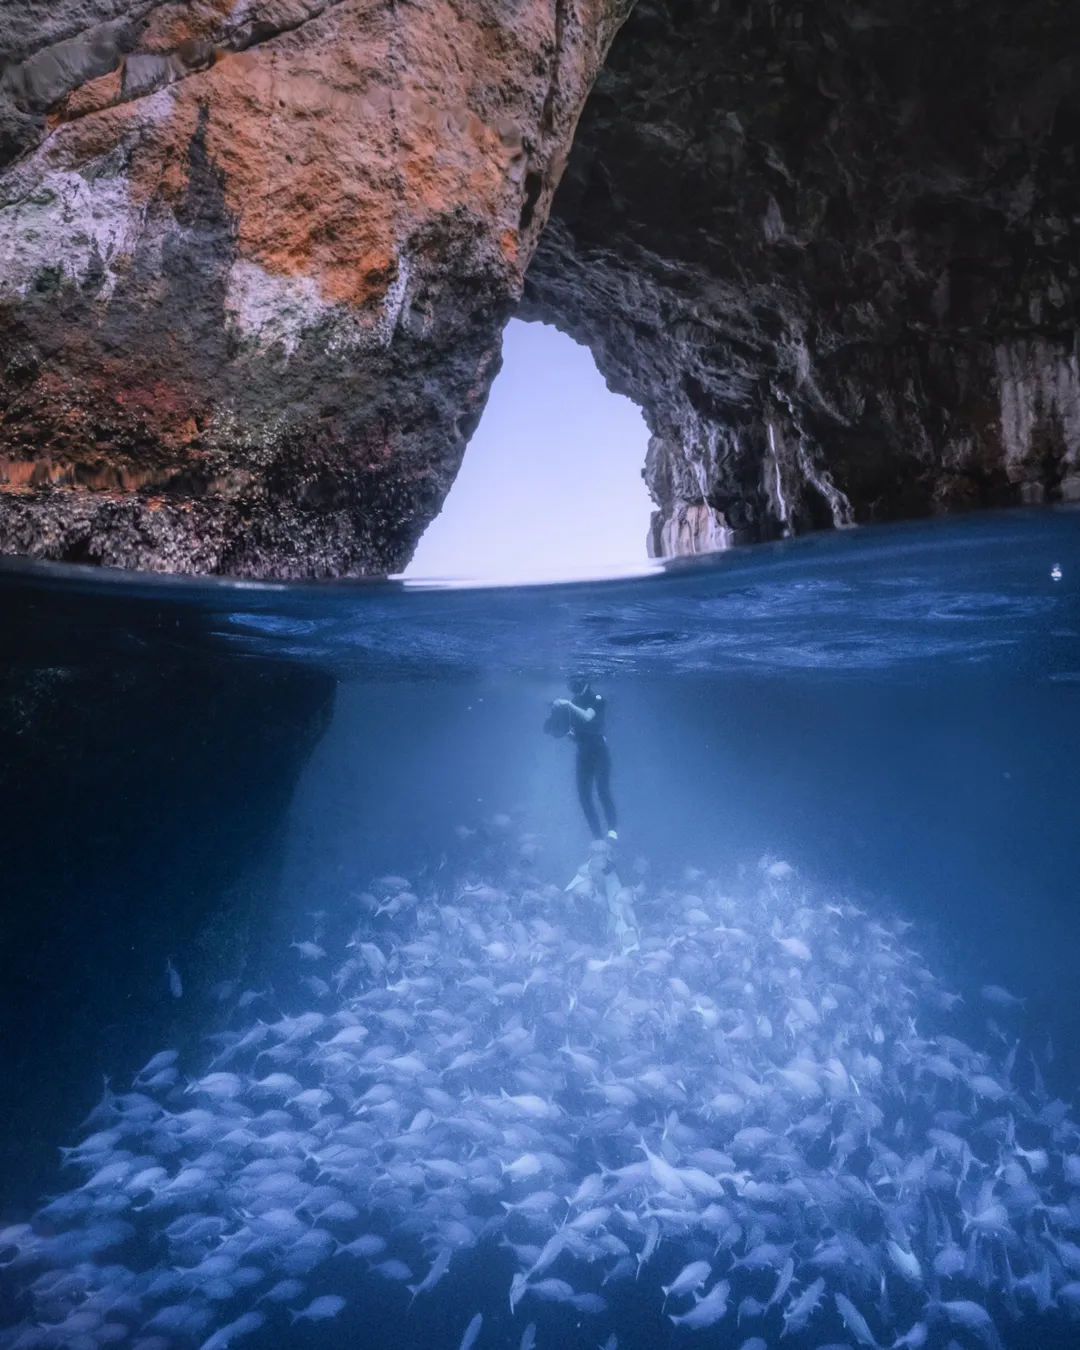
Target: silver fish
472, 1331
172, 978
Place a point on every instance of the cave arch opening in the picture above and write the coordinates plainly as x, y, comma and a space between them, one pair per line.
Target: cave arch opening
550, 486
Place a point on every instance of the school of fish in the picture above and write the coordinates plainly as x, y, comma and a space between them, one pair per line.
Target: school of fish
744, 1096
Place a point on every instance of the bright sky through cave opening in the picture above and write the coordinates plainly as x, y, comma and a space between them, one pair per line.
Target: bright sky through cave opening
551, 484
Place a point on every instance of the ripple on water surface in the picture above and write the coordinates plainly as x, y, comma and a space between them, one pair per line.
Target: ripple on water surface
996, 590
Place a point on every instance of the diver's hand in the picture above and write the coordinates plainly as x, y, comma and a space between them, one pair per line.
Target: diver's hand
561, 703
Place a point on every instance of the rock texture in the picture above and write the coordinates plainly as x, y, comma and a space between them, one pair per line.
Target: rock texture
256, 256
833, 250
255, 260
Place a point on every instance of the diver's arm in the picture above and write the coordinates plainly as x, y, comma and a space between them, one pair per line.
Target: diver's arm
582, 714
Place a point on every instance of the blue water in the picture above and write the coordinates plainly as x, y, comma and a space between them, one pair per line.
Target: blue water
814, 745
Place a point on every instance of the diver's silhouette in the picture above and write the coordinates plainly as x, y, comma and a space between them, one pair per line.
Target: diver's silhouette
581, 717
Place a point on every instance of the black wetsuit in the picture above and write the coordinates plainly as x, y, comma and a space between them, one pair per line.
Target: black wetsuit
593, 762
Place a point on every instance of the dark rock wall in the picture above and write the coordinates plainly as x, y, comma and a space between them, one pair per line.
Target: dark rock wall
145, 785
832, 251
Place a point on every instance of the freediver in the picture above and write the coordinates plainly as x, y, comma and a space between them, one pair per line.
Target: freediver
581, 717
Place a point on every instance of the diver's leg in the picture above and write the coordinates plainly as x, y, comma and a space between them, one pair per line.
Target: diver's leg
603, 786
586, 771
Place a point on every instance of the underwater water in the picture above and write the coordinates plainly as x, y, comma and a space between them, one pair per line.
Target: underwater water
394, 1056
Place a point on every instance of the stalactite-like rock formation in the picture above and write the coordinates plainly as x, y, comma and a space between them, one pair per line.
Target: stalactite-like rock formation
255, 261
832, 250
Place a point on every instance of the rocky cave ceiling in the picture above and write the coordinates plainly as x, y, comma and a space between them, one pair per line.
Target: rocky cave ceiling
256, 258
832, 251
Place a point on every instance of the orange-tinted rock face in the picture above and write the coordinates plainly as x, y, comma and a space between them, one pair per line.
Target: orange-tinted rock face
255, 260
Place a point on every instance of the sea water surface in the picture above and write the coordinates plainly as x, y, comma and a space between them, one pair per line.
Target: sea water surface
325, 1024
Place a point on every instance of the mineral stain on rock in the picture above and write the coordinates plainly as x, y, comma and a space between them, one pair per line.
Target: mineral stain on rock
255, 262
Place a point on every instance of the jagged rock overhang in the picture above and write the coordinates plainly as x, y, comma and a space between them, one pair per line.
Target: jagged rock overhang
832, 254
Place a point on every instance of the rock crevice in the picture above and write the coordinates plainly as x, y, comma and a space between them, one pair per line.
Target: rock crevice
152, 45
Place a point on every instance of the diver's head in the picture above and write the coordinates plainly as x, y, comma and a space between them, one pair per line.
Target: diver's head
578, 685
